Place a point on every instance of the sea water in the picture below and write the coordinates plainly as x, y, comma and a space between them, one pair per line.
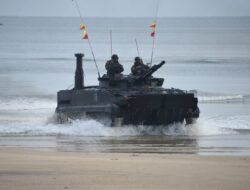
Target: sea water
210, 56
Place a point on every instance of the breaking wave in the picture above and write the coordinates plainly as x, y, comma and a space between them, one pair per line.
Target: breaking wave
221, 98
91, 128
26, 103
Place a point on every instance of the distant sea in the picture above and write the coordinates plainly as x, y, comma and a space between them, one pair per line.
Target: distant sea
210, 56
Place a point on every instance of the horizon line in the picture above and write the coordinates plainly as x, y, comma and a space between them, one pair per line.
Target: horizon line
125, 17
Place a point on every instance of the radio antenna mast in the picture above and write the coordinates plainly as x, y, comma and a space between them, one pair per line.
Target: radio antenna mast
153, 34
111, 42
137, 47
90, 46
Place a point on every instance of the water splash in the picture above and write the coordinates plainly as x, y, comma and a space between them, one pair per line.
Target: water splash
91, 128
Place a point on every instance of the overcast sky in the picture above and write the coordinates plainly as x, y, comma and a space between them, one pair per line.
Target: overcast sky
125, 8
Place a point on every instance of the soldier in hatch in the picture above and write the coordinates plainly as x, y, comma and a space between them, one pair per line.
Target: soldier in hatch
113, 66
139, 68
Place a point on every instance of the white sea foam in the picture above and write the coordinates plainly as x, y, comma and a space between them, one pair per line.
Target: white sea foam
92, 128
87, 127
220, 98
26, 103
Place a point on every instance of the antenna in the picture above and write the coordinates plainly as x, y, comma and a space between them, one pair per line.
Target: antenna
137, 47
111, 42
153, 43
90, 46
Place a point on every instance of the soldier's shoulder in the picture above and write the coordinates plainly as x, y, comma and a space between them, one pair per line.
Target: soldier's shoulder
108, 62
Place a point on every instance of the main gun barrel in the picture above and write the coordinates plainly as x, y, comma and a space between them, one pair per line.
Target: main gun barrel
149, 72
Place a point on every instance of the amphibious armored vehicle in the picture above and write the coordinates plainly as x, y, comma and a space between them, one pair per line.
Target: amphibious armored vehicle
128, 99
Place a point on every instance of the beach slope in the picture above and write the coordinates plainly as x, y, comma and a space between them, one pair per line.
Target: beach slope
29, 169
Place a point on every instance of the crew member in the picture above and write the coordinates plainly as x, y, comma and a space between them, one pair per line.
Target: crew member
139, 68
113, 66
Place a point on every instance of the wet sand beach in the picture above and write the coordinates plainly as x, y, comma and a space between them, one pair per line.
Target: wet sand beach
30, 169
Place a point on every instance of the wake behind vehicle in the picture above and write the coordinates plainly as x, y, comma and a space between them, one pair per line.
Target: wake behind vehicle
127, 99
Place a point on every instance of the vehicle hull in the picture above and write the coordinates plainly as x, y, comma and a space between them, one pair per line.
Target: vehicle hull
136, 109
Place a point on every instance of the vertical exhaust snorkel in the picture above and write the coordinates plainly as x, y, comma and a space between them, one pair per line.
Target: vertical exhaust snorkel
79, 74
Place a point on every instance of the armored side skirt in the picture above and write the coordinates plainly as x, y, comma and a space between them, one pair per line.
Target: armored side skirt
159, 109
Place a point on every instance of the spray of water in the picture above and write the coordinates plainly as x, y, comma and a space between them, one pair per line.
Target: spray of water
91, 128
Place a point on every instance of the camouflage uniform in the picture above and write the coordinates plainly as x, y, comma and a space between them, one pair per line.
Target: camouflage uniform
139, 68
113, 66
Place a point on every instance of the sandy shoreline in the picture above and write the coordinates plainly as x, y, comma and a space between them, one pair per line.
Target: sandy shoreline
28, 169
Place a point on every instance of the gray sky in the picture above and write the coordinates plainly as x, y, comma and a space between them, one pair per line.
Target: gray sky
125, 8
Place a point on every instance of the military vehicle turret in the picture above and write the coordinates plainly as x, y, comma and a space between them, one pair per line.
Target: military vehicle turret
127, 99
